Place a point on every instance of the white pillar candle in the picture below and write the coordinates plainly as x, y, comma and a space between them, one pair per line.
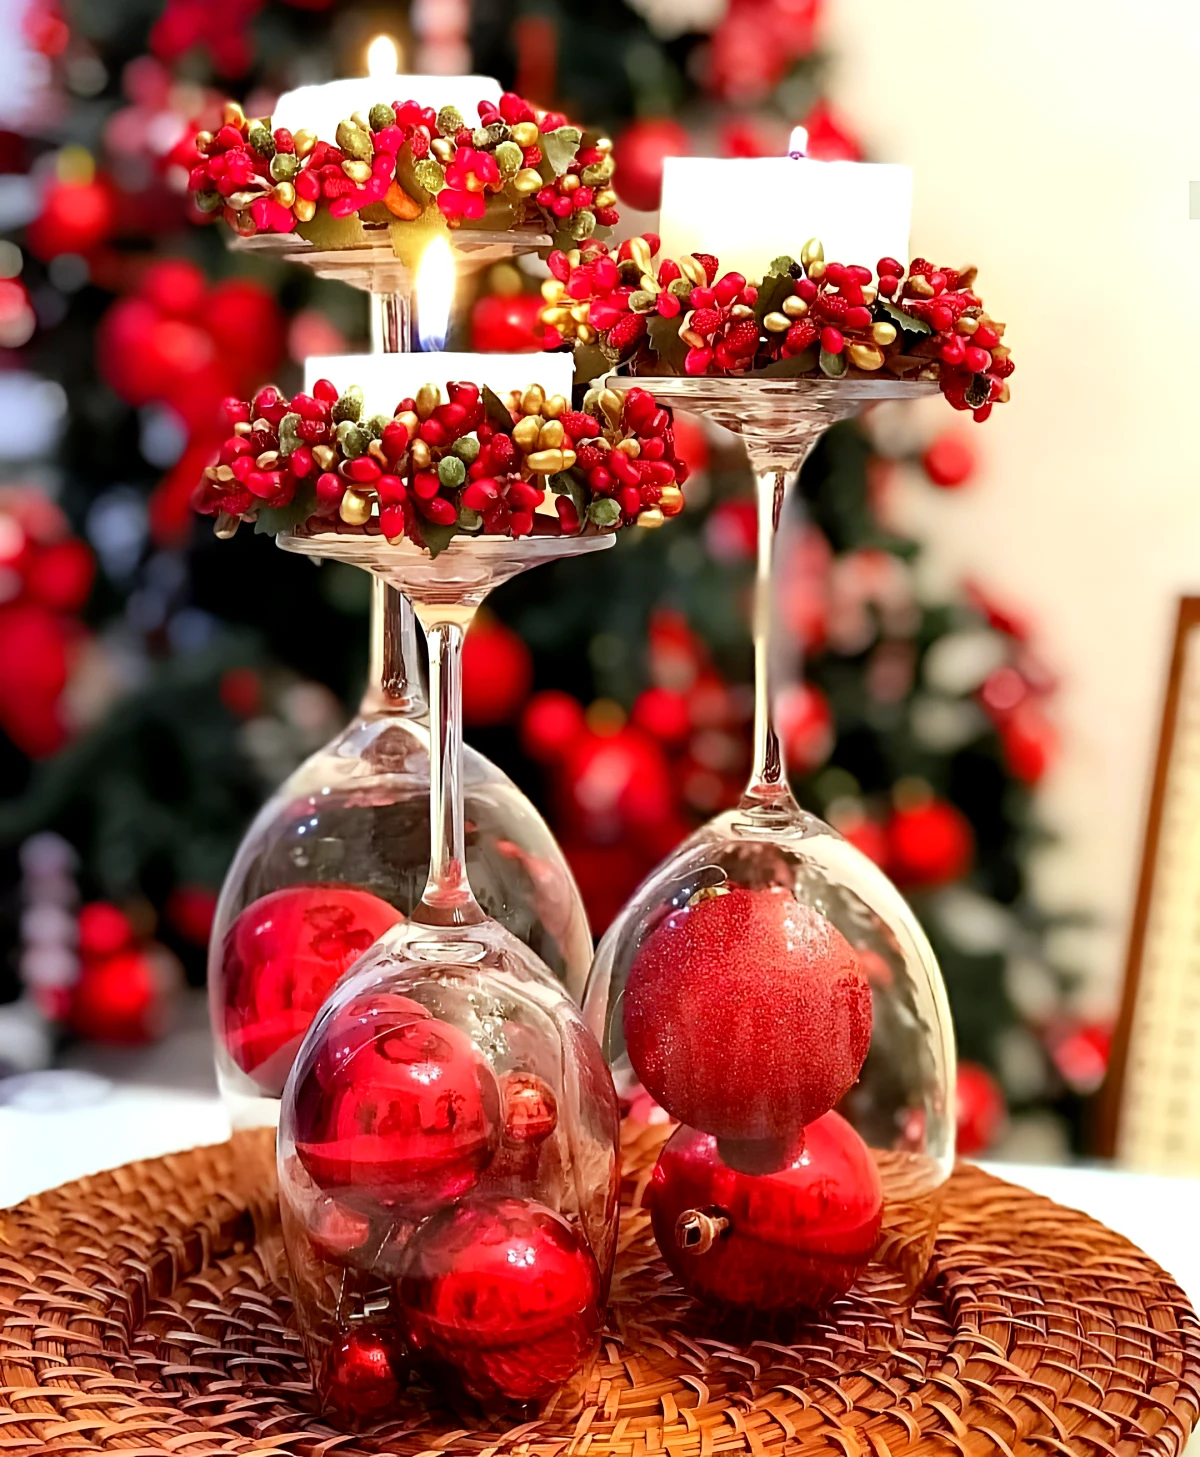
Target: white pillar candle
747, 211
386, 379
319, 108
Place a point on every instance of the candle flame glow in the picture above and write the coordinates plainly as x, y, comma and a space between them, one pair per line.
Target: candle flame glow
382, 57
435, 294
798, 142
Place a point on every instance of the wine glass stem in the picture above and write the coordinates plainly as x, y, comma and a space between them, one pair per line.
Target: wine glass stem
394, 671
768, 779
391, 323
448, 900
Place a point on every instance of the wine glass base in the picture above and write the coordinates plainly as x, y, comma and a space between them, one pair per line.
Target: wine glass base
373, 266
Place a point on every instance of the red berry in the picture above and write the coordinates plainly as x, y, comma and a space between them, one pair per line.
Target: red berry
889, 267
833, 341
978, 359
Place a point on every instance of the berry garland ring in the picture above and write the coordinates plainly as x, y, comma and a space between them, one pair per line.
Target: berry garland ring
402, 163
805, 319
459, 462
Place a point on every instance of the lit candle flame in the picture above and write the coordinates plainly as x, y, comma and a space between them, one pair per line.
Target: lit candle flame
382, 57
798, 142
435, 294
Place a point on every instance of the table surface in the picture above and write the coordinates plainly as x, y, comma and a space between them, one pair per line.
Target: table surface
75, 1123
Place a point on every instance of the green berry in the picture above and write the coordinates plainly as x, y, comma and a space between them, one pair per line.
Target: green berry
208, 201
381, 115
642, 301
353, 439
582, 225
451, 472
450, 121
284, 166
376, 425
466, 448
354, 141
288, 436
469, 520
261, 140
509, 158
430, 175
349, 406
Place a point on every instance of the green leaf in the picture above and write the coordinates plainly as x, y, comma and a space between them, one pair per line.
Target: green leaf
559, 147
437, 538
566, 483
798, 364
497, 411
604, 512
833, 365
774, 289
666, 343
892, 314
783, 264
979, 391
277, 520
591, 361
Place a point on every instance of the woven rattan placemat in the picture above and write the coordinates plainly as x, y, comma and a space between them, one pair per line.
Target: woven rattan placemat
137, 1317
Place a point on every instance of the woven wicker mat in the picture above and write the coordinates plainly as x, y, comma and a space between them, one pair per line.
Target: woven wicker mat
137, 1317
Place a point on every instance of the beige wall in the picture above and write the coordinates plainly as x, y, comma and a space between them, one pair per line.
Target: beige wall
1053, 146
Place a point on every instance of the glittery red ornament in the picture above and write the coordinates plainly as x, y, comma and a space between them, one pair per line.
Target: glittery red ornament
795, 1239
506, 1293
397, 1107
360, 1378
746, 1014
283, 955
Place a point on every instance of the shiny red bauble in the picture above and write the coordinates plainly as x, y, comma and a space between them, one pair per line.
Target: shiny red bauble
792, 1240
746, 1014
497, 673
397, 1109
949, 460
929, 844
505, 1293
361, 1377
283, 956
641, 150
980, 1110
530, 1108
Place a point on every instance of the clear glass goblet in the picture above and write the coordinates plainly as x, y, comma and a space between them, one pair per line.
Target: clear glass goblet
772, 990
447, 1149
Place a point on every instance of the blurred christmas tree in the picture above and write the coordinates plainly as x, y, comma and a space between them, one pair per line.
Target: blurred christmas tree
142, 717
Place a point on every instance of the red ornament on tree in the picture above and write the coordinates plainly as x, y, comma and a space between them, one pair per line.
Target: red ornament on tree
980, 1109
949, 460
804, 721
929, 844
283, 956
551, 723
1029, 742
397, 1108
361, 1379
497, 673
796, 1239
747, 1016
640, 152
75, 218
506, 1293
126, 998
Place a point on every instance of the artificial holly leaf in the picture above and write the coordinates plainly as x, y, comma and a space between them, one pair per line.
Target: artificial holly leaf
500, 212
890, 313
979, 391
774, 288
833, 365
437, 538
803, 363
559, 147
497, 411
330, 234
666, 343
276, 520
592, 361
566, 483
783, 264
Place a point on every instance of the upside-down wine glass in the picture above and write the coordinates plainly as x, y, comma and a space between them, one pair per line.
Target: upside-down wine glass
425, 1232
771, 989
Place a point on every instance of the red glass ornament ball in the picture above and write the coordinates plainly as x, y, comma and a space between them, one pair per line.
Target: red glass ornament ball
360, 1378
929, 844
506, 1293
283, 956
796, 1239
747, 1014
530, 1108
397, 1109
980, 1110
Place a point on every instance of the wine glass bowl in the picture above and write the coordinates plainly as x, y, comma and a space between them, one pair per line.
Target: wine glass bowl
770, 988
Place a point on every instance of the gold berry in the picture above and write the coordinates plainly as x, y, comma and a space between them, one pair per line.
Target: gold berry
533, 399
883, 332
651, 518
865, 356
812, 252
428, 398
525, 133
551, 435
355, 510
306, 209
776, 323
555, 406
526, 431
527, 181
549, 462
794, 306
304, 142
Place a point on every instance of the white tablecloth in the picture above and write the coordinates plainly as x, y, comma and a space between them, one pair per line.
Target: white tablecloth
107, 1125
